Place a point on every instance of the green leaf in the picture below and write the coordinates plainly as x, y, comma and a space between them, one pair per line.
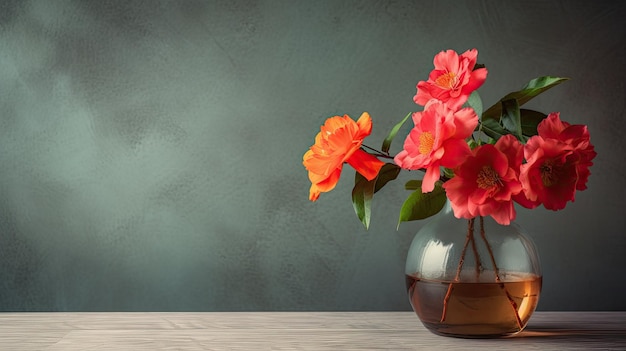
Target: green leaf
392, 133
529, 120
533, 88
448, 173
362, 195
413, 185
364, 190
511, 118
386, 174
419, 205
492, 128
472, 143
474, 101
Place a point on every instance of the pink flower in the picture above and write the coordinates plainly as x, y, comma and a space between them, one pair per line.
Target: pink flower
452, 80
438, 139
557, 163
486, 182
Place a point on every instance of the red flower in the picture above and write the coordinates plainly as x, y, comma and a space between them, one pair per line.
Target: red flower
485, 183
549, 176
452, 80
577, 136
438, 139
339, 141
557, 163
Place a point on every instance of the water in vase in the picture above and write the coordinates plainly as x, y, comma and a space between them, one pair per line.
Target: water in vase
480, 306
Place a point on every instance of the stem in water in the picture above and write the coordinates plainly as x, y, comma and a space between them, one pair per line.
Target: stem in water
457, 277
478, 263
497, 272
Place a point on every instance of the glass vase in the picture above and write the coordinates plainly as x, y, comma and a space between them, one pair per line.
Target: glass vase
472, 278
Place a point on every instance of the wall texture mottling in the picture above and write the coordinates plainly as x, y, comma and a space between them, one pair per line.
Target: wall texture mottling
151, 151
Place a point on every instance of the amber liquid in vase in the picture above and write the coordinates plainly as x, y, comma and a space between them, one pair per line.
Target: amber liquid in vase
475, 306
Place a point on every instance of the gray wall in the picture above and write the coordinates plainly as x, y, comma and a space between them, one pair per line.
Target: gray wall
151, 151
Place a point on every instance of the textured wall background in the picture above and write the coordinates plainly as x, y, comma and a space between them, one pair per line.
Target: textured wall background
151, 151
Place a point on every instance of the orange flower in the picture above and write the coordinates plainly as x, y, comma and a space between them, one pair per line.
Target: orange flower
339, 141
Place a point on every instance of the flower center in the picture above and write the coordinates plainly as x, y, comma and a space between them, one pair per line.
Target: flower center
548, 173
426, 143
447, 80
488, 178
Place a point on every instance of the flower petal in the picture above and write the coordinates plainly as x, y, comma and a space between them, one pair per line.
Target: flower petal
366, 164
338, 141
430, 178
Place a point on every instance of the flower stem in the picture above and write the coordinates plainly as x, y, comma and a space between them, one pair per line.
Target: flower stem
497, 273
377, 153
387, 156
459, 268
478, 263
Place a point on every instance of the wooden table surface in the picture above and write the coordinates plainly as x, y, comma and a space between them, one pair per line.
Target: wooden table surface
293, 331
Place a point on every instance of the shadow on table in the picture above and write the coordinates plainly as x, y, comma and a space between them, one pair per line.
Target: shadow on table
573, 332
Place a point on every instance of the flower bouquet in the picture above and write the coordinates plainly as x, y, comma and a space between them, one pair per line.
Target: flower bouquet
478, 162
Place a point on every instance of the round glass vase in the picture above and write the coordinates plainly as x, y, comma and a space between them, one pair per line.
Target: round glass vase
472, 278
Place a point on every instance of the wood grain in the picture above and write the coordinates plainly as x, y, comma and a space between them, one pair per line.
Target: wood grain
292, 331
